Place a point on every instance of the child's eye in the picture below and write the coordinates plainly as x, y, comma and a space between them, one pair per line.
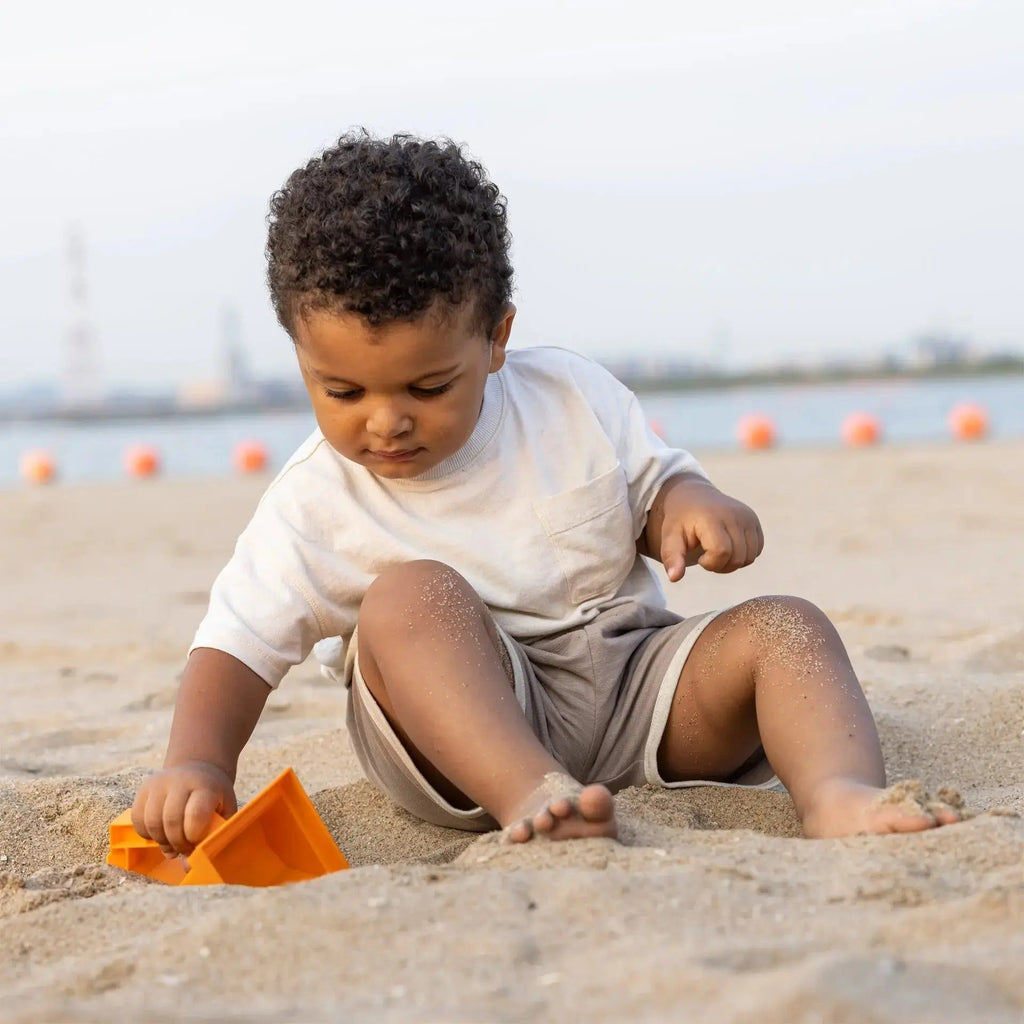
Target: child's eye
431, 392
345, 396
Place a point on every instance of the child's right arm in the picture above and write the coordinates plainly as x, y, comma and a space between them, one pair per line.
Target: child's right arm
219, 704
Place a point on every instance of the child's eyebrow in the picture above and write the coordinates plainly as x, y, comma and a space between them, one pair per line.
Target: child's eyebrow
444, 372
327, 379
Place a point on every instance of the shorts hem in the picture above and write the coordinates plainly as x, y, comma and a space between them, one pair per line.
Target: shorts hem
662, 706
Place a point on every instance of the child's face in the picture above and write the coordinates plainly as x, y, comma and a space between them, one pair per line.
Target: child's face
401, 398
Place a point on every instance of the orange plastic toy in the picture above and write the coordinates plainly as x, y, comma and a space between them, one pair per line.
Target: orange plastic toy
277, 837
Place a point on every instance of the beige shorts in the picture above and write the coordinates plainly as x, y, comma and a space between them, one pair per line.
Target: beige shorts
596, 697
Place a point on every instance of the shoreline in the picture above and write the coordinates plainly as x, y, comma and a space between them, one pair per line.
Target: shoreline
165, 409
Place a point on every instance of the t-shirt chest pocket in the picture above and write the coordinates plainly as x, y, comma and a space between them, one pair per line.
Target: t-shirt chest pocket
591, 530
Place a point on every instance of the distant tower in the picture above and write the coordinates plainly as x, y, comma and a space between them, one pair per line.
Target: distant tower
81, 365
237, 378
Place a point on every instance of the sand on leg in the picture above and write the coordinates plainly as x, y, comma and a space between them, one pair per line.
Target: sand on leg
773, 672
432, 657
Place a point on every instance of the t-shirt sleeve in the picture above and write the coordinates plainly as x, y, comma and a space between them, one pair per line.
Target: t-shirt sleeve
262, 607
647, 461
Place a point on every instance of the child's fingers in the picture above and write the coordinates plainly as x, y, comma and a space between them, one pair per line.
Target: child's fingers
694, 555
735, 554
153, 820
174, 820
741, 553
718, 547
139, 813
673, 555
755, 542
198, 812
749, 542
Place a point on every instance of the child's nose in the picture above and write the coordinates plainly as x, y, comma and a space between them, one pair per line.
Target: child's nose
388, 420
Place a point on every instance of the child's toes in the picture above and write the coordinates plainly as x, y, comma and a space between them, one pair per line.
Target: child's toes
596, 804
520, 832
544, 821
943, 813
562, 808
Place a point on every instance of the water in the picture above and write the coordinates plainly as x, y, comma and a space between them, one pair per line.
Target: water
811, 414
805, 414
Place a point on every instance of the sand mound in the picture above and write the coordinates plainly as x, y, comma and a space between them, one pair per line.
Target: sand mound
370, 829
60, 823
738, 924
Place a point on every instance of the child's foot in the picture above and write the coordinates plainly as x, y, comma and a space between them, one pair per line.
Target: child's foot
560, 808
841, 807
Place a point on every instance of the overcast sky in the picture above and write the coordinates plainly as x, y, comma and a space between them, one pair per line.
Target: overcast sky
748, 180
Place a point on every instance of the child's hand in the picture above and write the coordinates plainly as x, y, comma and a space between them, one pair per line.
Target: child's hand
694, 522
175, 807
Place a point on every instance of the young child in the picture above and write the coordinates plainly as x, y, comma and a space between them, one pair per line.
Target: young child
473, 524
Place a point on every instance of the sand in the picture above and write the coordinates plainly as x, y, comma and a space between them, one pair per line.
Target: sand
710, 909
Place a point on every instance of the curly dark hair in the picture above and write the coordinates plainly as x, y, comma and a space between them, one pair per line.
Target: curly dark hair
383, 228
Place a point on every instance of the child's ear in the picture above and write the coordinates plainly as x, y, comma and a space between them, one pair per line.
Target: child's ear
499, 339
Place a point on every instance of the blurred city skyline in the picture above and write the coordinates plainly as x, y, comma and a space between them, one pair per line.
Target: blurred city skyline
736, 185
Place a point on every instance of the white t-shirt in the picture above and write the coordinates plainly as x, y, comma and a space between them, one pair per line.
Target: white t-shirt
539, 511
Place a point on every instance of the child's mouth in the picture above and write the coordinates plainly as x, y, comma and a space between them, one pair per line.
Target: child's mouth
402, 455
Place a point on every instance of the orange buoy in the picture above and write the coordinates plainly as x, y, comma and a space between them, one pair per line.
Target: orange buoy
38, 466
861, 429
249, 456
141, 461
657, 429
756, 431
968, 422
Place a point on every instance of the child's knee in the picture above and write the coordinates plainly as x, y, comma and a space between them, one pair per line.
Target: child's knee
772, 605
407, 596
781, 623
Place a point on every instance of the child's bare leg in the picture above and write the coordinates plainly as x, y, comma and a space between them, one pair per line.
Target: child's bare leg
431, 656
773, 671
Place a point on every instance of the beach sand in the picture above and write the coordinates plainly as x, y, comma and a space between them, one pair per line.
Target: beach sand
712, 909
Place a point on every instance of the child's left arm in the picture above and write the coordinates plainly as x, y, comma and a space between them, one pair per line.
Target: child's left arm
693, 523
